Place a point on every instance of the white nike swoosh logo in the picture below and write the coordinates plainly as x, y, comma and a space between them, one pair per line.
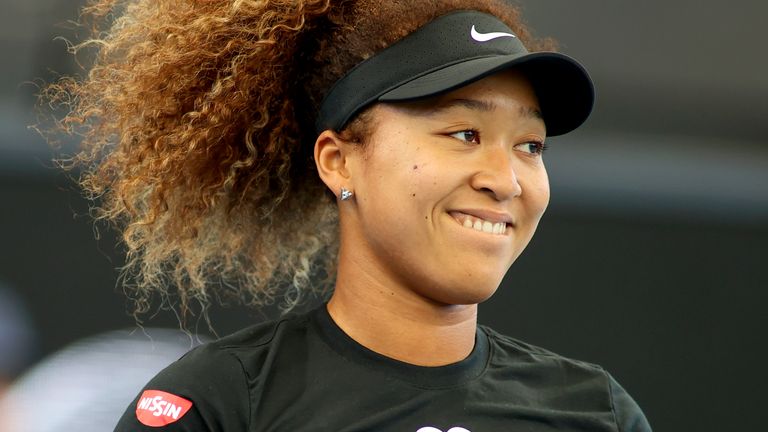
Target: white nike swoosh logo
485, 37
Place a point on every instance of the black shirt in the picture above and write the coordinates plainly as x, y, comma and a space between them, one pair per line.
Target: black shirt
303, 373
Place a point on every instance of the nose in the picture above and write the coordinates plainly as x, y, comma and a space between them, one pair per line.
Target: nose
496, 176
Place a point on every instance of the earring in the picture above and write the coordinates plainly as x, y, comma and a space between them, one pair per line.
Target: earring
346, 194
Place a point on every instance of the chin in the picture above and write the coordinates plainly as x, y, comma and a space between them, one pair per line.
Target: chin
466, 294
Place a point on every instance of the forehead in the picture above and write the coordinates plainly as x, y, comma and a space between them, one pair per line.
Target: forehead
506, 94
504, 89
508, 91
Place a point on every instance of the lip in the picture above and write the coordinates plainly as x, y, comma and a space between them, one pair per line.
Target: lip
489, 215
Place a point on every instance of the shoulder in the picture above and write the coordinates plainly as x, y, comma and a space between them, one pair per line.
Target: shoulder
205, 390
221, 363
506, 347
215, 381
547, 372
239, 352
629, 416
580, 384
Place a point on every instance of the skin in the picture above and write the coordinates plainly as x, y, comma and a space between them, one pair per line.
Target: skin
410, 275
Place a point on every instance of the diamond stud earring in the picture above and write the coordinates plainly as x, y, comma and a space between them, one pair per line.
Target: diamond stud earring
346, 194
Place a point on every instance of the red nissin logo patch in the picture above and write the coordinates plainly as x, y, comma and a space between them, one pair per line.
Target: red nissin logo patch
158, 408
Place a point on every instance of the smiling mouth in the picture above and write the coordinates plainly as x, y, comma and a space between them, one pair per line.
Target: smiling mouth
479, 224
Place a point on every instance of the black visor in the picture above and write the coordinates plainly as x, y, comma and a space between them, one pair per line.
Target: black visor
450, 52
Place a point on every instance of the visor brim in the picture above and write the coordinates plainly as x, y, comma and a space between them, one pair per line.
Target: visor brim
563, 87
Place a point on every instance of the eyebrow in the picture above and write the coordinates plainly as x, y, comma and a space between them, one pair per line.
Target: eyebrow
482, 106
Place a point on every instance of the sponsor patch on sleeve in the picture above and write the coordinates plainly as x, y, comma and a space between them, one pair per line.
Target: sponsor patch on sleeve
157, 408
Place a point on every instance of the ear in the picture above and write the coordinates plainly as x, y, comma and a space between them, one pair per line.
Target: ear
331, 158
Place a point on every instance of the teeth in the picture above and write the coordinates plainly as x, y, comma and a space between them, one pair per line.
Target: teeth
484, 225
487, 227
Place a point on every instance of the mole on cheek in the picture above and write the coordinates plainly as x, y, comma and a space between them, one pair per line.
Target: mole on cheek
415, 167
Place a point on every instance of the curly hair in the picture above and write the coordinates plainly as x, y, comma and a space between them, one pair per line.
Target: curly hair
196, 125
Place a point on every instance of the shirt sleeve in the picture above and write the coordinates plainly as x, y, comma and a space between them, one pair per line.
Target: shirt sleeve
189, 422
204, 391
629, 416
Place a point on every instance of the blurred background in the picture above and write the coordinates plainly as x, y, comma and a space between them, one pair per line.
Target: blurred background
650, 261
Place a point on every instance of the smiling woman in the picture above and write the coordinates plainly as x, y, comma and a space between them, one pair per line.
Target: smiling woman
214, 132
468, 162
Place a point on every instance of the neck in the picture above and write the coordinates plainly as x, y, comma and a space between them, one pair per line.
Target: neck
396, 321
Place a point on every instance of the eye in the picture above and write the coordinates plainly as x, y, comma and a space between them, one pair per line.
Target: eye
469, 135
532, 147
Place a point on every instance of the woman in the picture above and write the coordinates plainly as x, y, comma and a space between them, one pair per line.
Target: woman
215, 130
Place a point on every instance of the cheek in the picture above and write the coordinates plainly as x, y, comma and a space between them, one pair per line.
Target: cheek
397, 210
422, 181
403, 173
396, 186
544, 192
539, 196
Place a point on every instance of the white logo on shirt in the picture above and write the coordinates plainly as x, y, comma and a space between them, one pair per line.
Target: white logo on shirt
434, 429
485, 37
